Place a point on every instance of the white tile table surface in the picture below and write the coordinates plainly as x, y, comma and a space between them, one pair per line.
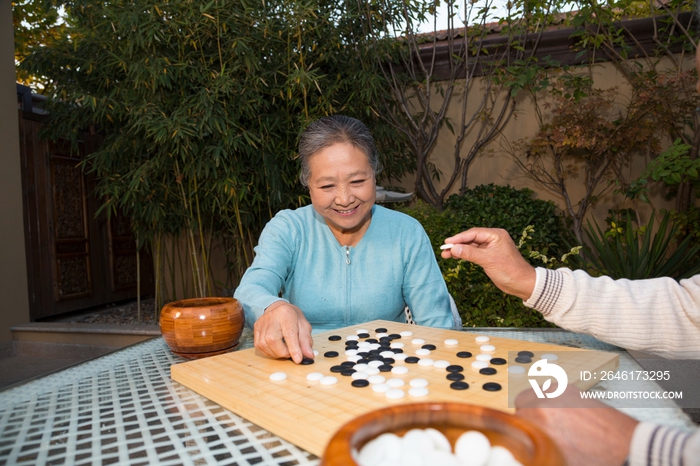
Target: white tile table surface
123, 408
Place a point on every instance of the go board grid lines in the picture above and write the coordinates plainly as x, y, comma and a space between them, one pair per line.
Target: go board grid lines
245, 388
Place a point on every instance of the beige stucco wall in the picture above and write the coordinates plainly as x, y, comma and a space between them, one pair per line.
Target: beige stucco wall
13, 269
496, 165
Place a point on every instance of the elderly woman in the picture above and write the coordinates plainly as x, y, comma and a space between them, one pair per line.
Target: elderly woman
342, 260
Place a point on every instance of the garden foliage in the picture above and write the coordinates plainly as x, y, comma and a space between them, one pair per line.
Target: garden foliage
480, 303
201, 105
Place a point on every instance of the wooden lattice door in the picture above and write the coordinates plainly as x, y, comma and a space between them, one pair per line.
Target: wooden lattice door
74, 259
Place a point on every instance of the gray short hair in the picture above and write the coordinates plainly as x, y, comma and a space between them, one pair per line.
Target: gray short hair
335, 129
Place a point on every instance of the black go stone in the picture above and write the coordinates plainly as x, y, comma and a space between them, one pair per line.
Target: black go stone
374, 357
464, 354
397, 350
359, 383
331, 354
352, 343
363, 361
363, 335
454, 376
372, 340
411, 360
492, 386
363, 354
523, 360
347, 372
384, 348
429, 347
527, 354
337, 369
388, 360
498, 361
487, 371
454, 368
380, 330
347, 364
395, 336
307, 361
385, 368
385, 340
374, 351
459, 385
334, 337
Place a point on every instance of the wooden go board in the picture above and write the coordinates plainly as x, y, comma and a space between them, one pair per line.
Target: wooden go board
307, 413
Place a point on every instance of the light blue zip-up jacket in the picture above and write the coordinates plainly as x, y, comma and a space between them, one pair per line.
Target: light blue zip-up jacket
392, 266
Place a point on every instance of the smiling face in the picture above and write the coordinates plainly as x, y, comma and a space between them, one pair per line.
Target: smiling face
343, 190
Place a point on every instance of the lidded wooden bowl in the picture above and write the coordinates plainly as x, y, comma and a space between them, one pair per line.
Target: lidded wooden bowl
201, 327
525, 440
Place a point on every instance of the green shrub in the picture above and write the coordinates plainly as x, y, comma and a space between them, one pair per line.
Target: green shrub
480, 302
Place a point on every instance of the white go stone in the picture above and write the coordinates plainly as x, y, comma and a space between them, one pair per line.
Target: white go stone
361, 330
418, 383
482, 339
376, 363
483, 357
395, 383
351, 352
501, 456
359, 375
387, 354
395, 394
516, 370
441, 363
374, 346
381, 388
360, 367
451, 342
372, 371
418, 392
364, 344
473, 448
426, 362
382, 335
399, 370
417, 441
374, 379
400, 356
384, 448
315, 353
487, 348
418, 341
406, 333
314, 376
352, 337
422, 352
328, 380
549, 357
478, 365
396, 344
439, 440
354, 358
278, 376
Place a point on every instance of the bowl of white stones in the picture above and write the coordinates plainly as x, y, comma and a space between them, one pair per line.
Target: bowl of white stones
440, 433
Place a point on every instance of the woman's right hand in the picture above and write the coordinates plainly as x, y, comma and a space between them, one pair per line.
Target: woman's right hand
283, 332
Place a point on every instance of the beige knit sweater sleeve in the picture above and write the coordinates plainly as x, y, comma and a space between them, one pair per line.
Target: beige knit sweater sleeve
659, 315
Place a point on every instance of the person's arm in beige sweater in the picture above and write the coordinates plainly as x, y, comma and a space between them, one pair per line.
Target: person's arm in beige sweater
658, 315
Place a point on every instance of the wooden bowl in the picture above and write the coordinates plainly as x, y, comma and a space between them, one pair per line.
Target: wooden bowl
525, 441
202, 327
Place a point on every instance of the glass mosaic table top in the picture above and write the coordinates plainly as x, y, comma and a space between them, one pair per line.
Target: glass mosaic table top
123, 408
